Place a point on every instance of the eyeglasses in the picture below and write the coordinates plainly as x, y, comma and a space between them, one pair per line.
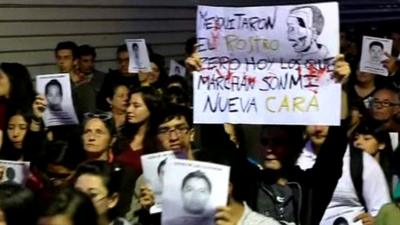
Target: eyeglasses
376, 103
103, 116
179, 130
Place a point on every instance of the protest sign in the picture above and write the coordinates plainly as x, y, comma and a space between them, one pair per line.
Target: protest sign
176, 69
373, 53
267, 65
153, 171
138, 56
14, 171
57, 90
192, 191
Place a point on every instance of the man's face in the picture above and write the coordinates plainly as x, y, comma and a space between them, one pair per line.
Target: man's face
317, 134
123, 62
384, 105
195, 195
53, 95
275, 147
300, 33
376, 53
86, 64
65, 60
175, 135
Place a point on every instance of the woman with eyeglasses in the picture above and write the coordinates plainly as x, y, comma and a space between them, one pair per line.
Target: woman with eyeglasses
101, 181
138, 135
98, 135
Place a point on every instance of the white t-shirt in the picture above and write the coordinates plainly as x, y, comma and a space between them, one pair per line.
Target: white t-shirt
345, 202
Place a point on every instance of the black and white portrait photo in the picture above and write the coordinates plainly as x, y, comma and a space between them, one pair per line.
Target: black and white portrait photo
138, 56
192, 191
56, 88
373, 55
305, 24
14, 171
176, 69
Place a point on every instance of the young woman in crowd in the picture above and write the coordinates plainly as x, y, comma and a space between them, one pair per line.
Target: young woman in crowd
17, 205
68, 207
137, 137
101, 181
98, 135
118, 101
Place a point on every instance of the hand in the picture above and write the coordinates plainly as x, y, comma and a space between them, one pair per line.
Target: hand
365, 218
193, 62
223, 216
146, 198
39, 106
342, 69
390, 64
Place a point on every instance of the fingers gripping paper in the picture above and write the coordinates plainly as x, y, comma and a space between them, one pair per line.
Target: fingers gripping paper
267, 65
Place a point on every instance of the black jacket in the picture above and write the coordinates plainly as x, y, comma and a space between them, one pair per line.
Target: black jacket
316, 184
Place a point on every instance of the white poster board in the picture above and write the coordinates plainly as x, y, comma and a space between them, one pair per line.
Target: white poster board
176, 69
373, 53
57, 90
192, 192
138, 56
14, 171
263, 65
153, 171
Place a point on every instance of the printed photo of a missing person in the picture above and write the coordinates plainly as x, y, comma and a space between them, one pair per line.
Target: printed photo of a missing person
192, 192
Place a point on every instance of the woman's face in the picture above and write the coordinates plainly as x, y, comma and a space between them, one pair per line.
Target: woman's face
5, 85
367, 143
16, 130
94, 187
137, 111
96, 137
155, 73
120, 98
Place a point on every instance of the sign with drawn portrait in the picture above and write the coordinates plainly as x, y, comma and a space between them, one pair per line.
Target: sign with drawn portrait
56, 88
192, 192
14, 171
373, 54
153, 171
267, 65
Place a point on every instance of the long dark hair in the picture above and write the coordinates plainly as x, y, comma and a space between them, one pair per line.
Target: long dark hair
22, 93
153, 102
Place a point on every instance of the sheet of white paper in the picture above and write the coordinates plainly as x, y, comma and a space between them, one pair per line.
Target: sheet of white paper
57, 90
261, 66
373, 53
14, 171
192, 191
138, 56
153, 171
176, 69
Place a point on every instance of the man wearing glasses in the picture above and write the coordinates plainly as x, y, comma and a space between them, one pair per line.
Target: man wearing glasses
384, 107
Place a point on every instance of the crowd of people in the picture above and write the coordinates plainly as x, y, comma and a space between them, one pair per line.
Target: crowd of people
91, 173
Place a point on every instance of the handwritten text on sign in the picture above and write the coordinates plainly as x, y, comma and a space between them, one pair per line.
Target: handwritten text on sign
267, 65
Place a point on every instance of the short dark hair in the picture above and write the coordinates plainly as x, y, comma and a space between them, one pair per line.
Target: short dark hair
376, 43
67, 45
74, 204
17, 203
190, 45
176, 95
172, 111
53, 82
198, 175
161, 165
318, 20
84, 50
177, 79
122, 48
135, 45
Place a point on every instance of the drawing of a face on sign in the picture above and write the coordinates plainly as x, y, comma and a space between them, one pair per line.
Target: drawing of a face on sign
305, 24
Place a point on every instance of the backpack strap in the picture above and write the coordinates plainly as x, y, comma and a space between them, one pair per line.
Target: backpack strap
356, 171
